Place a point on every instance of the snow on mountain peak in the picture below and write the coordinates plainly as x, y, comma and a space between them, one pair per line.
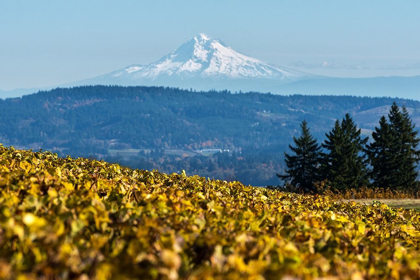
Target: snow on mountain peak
204, 58
201, 37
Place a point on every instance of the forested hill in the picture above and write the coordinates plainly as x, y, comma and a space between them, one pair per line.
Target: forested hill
167, 128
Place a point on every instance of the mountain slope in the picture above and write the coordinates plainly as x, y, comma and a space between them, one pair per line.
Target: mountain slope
202, 63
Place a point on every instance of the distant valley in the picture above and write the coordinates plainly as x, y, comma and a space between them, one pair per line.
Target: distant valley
213, 134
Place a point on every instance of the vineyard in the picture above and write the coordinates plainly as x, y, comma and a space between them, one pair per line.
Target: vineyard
64, 218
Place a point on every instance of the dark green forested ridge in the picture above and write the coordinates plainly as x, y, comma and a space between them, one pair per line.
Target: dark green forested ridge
164, 127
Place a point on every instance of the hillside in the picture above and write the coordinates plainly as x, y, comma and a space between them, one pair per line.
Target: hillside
168, 129
64, 218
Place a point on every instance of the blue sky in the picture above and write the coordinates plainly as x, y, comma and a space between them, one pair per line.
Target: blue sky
45, 43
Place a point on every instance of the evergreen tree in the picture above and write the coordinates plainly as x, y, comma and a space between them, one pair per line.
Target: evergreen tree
381, 155
393, 156
302, 166
332, 168
410, 155
344, 164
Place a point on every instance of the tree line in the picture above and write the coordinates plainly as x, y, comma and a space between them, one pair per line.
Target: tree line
347, 160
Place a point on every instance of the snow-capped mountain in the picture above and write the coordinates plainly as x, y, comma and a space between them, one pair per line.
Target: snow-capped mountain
203, 63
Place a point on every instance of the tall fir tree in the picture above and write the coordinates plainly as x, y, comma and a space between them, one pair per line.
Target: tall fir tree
302, 166
409, 143
381, 155
394, 156
344, 163
332, 168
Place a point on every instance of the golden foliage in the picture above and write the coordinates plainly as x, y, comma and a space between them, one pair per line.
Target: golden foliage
78, 218
366, 193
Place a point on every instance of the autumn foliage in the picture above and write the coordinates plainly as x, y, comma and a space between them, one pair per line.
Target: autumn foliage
64, 218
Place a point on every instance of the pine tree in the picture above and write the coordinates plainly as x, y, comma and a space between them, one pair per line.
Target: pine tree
344, 164
302, 166
381, 155
393, 156
410, 154
332, 168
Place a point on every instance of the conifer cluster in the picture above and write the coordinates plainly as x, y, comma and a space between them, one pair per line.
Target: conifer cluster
346, 160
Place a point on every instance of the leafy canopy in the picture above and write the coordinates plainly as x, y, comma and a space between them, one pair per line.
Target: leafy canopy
64, 218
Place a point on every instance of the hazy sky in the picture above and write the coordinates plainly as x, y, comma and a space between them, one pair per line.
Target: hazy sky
46, 43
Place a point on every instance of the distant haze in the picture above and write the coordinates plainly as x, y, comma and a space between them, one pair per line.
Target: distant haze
47, 43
